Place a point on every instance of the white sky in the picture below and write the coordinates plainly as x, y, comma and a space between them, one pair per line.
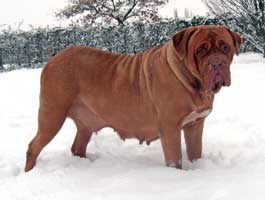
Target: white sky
196, 6
40, 12
34, 12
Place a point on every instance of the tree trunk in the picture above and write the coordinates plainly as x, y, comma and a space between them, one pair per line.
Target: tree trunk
1, 61
263, 42
263, 50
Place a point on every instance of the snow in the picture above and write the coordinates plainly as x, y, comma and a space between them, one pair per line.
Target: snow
232, 167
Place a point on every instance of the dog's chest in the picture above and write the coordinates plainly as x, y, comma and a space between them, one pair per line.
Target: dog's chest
194, 116
201, 108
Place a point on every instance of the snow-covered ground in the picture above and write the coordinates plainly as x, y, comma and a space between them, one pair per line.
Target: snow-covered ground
232, 167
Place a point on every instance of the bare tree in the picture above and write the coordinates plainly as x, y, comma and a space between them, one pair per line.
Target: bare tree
89, 12
176, 15
247, 16
187, 13
1, 60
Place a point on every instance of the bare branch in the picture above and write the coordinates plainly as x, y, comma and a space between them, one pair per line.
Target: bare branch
247, 16
130, 10
111, 10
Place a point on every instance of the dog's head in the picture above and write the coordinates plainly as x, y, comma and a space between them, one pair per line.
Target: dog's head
207, 52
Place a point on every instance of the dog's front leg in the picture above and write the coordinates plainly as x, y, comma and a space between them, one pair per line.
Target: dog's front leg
193, 138
171, 144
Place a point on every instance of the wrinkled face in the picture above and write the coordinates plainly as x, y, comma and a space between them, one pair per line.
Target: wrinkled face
209, 53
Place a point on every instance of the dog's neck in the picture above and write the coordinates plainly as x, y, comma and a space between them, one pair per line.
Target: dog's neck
190, 83
180, 71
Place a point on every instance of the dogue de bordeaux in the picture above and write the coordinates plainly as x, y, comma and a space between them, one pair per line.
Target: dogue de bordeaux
150, 95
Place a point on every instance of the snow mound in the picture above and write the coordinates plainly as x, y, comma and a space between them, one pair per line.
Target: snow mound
8, 168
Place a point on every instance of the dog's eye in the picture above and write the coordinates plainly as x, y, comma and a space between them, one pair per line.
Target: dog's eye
224, 48
202, 50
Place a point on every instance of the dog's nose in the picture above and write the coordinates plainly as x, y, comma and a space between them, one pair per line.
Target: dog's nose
216, 63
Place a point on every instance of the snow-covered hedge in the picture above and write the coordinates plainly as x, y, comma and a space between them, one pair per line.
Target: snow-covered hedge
33, 48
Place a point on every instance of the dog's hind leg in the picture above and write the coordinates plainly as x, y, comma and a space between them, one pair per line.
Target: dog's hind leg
86, 123
57, 92
50, 122
81, 140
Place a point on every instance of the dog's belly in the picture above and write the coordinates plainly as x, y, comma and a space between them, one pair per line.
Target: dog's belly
145, 130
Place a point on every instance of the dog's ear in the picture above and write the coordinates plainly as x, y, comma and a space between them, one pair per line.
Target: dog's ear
236, 40
181, 40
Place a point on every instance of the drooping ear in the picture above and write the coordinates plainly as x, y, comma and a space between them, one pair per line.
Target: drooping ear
236, 39
181, 40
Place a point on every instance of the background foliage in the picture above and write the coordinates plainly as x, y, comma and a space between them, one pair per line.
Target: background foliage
34, 48
247, 16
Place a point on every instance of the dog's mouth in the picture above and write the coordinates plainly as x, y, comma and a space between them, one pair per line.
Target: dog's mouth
216, 79
217, 83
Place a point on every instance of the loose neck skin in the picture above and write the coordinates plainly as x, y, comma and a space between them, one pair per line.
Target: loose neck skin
191, 84
179, 69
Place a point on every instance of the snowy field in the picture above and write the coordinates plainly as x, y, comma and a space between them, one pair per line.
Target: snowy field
232, 167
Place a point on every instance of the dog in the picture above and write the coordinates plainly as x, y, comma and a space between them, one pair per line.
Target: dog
150, 95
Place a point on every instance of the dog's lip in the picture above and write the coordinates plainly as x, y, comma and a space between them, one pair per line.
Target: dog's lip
215, 81
217, 86
219, 75
218, 78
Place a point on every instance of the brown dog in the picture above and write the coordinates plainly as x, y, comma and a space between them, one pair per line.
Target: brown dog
151, 95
